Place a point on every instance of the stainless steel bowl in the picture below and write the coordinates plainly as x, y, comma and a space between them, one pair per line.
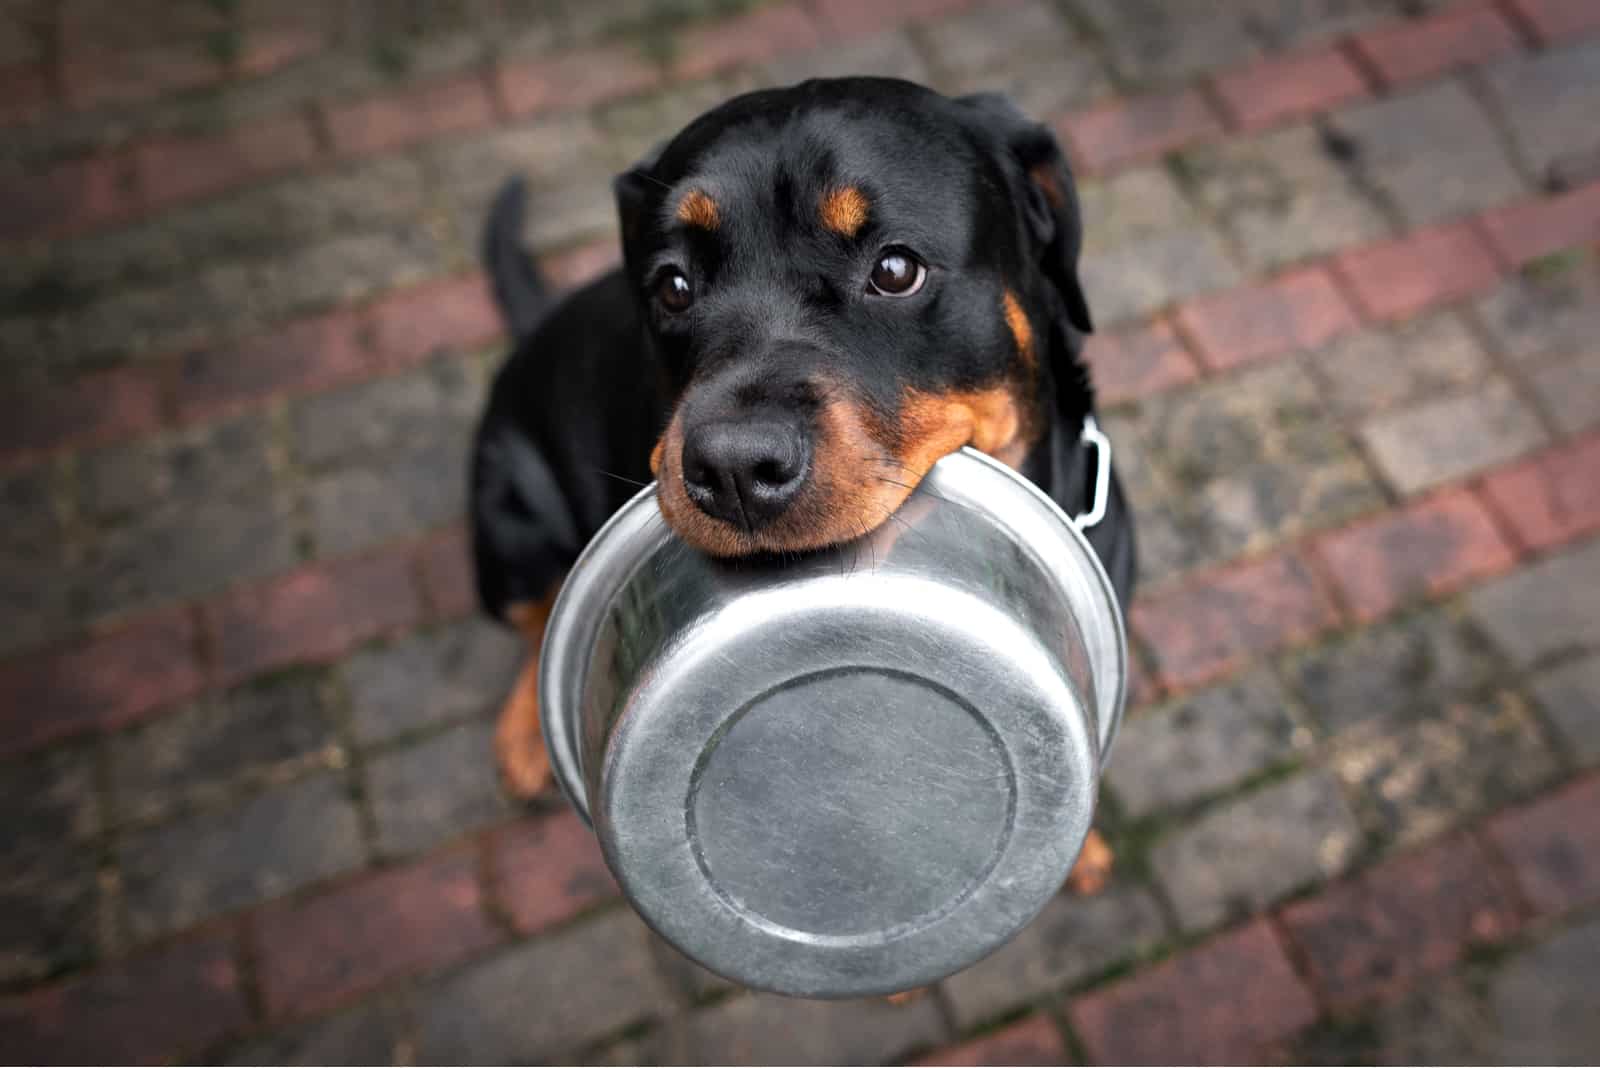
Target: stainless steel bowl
852, 772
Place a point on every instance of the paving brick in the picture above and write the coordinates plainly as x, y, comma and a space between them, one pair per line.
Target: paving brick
1425, 772
436, 789
1457, 36
1034, 1040
1433, 151
1552, 96
1544, 608
174, 169
1211, 1004
111, 404
386, 122
1408, 917
185, 467
72, 197
447, 579
218, 860
105, 682
374, 1032
1202, 744
1557, 20
1246, 854
1285, 87
199, 751
1545, 1009
454, 313
1138, 362
1155, 42
1554, 847
1548, 311
1422, 447
49, 911
309, 354
420, 917
1025, 50
1285, 25
1301, 309
1400, 278
376, 421
177, 999
574, 80
1201, 630
845, 19
1385, 670
1123, 208
752, 37
1529, 229
547, 870
1071, 940
1135, 279
52, 799
25, 94
1427, 548
461, 670
1570, 392
545, 997
887, 53
1137, 128
1377, 370
1553, 498
420, 489
314, 614
1570, 697
1284, 196
763, 1029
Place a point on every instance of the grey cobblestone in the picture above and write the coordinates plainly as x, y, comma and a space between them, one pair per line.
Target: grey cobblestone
375, 420
1545, 1005
48, 912
373, 1033
1158, 43
1570, 391
1551, 98
458, 671
1377, 370
1146, 274
1551, 309
1544, 609
1027, 52
1570, 697
763, 1029
890, 54
1141, 203
435, 789
1423, 446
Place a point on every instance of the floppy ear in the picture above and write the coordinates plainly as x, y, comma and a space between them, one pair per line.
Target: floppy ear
635, 190
1049, 197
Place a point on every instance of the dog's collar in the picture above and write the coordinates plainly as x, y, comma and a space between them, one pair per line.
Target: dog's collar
1095, 439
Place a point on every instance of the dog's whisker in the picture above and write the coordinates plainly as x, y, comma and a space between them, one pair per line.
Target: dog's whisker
621, 478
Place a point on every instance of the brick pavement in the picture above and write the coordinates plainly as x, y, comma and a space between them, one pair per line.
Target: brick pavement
1348, 257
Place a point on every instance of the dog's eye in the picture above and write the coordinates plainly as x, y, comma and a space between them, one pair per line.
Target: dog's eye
898, 273
673, 290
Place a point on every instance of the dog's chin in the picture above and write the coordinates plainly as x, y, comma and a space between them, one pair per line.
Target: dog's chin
809, 527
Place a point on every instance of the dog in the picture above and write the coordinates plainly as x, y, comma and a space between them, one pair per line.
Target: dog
824, 289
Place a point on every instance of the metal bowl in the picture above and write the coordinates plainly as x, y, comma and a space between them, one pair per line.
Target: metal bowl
851, 772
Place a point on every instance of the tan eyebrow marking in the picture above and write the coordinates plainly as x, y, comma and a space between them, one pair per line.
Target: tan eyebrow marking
699, 210
843, 210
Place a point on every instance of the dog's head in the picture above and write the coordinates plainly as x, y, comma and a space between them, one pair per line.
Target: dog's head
842, 282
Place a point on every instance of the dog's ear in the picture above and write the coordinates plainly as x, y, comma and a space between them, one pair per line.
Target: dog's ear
1048, 195
635, 190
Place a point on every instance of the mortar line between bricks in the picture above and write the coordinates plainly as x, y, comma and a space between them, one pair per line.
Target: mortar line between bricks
1527, 33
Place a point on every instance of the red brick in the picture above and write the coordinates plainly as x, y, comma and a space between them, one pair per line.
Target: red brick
103, 76
1552, 498
412, 324
1553, 845
265, 49
71, 197
1128, 131
574, 266
1428, 547
394, 120
1407, 51
1408, 917
548, 870
1399, 278
97, 407
308, 354
420, 917
574, 80
107, 681
25, 94
850, 18
180, 998
1288, 86
752, 37
1208, 626
314, 614
176, 169
1211, 1005
1298, 310
1033, 1041
447, 579
1137, 363
1557, 20
1526, 231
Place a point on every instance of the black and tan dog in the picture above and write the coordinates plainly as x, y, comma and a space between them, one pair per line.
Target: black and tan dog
825, 289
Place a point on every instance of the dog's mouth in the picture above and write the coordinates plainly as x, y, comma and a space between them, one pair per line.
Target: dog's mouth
862, 469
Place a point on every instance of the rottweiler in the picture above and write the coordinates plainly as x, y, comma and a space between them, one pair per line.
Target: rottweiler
824, 289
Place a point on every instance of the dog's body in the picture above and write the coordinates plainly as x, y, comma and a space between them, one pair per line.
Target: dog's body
825, 289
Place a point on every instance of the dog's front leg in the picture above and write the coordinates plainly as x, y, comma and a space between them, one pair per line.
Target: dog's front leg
518, 738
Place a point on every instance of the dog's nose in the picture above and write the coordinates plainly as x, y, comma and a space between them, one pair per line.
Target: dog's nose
746, 472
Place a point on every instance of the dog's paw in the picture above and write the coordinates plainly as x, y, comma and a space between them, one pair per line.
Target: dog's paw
1093, 868
907, 997
518, 742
